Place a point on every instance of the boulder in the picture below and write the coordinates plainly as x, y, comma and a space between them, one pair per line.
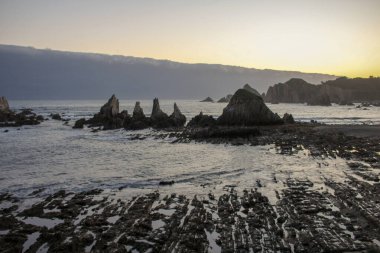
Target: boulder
79, 123
202, 121
288, 118
56, 116
247, 109
208, 99
4, 106
177, 118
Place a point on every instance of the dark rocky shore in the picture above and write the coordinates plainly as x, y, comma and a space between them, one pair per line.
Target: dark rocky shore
332, 216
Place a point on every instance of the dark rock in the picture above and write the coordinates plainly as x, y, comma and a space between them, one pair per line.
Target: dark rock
166, 182
109, 116
177, 118
56, 116
225, 99
322, 100
4, 106
9, 118
111, 108
247, 109
247, 87
138, 120
288, 118
202, 121
345, 102
158, 118
79, 123
208, 99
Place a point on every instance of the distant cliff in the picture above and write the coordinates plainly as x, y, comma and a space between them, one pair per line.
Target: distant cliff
29, 73
337, 91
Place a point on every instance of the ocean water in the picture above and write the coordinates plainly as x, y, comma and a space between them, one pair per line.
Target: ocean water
54, 156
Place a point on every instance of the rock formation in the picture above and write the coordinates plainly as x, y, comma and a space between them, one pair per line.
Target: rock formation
338, 91
9, 118
246, 109
208, 99
158, 118
138, 120
322, 99
288, 118
108, 116
111, 108
225, 99
202, 121
4, 106
177, 118
247, 87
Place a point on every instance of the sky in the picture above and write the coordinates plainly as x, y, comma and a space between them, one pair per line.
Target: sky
340, 37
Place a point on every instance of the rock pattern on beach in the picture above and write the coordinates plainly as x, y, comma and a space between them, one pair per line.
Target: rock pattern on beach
9, 118
246, 109
302, 218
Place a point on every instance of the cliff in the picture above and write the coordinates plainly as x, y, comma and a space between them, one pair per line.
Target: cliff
339, 90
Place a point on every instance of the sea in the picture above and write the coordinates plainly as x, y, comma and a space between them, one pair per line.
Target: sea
53, 156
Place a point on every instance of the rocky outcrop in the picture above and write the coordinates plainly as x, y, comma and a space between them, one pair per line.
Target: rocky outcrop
247, 109
111, 108
108, 116
201, 121
80, 123
247, 87
177, 118
4, 106
158, 118
9, 118
340, 91
138, 120
225, 99
322, 99
293, 91
208, 99
288, 118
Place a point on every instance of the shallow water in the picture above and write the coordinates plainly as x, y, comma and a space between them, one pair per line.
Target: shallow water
54, 156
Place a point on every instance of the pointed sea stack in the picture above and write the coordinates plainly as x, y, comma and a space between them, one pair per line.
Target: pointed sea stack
108, 116
4, 106
158, 118
111, 108
247, 109
177, 118
138, 120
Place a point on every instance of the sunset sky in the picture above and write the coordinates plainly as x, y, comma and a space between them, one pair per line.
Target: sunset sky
339, 37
